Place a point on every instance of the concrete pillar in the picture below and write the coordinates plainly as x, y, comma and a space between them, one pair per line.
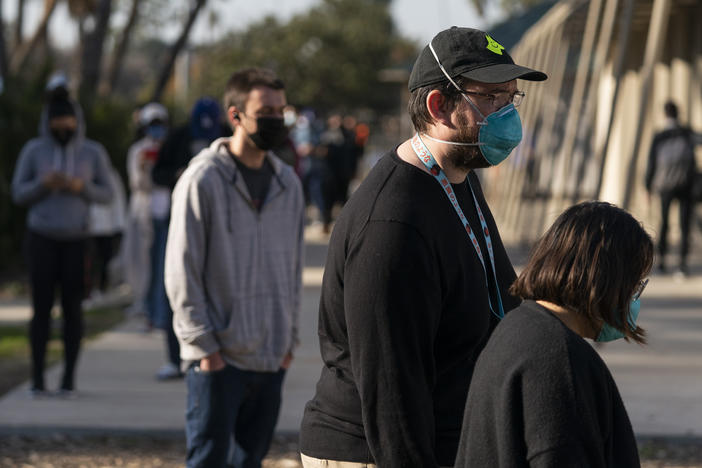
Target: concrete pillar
621, 48
654, 44
563, 167
583, 173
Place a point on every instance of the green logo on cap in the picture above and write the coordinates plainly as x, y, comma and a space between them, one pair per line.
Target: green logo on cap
493, 45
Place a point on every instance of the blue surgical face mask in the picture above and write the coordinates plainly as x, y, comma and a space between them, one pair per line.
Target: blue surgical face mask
609, 333
157, 131
500, 132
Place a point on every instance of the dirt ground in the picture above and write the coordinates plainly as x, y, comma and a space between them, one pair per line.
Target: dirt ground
148, 452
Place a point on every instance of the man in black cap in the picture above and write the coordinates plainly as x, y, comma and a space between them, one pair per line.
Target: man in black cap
416, 275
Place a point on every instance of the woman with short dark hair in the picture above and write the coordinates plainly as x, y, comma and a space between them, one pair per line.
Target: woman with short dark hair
541, 396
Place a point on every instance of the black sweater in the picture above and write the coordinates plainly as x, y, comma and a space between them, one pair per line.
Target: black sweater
542, 397
403, 316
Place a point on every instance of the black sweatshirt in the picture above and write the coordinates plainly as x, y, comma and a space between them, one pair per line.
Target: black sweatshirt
542, 397
403, 316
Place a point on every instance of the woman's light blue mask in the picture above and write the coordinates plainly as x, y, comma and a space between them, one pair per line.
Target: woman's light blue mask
609, 333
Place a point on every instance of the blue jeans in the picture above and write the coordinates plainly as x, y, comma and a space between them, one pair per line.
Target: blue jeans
245, 403
157, 304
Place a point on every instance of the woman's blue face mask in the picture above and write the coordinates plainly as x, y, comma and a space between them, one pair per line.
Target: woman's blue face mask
610, 333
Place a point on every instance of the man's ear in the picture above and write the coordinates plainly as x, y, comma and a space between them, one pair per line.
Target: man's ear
439, 107
233, 116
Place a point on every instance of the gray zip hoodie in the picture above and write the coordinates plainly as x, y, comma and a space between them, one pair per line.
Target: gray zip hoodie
61, 214
234, 274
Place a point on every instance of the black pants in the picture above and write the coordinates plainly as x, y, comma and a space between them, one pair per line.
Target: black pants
685, 201
56, 263
100, 251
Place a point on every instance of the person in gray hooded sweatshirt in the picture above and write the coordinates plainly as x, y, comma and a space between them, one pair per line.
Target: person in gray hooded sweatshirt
58, 174
234, 276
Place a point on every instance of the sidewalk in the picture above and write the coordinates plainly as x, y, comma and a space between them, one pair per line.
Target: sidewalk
117, 391
661, 384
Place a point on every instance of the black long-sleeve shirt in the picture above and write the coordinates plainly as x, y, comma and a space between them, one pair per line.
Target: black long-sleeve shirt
403, 316
542, 397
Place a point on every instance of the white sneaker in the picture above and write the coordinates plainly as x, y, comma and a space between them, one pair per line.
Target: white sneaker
168, 371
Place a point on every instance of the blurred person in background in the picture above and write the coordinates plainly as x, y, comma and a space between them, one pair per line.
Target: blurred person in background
286, 151
334, 153
58, 175
106, 223
340, 150
305, 136
357, 134
540, 395
671, 174
234, 276
204, 126
139, 234
181, 145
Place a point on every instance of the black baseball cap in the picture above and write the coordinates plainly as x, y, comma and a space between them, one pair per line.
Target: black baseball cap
470, 53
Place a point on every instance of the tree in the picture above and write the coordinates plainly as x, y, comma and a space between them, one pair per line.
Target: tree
25, 49
329, 57
19, 22
92, 51
165, 74
118, 55
3, 51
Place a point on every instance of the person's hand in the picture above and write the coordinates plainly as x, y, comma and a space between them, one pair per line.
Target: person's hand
75, 185
212, 363
54, 181
286, 361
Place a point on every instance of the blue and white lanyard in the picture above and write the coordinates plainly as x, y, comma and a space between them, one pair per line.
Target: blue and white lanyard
428, 160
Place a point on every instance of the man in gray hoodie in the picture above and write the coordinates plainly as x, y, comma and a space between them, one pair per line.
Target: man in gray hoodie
58, 175
234, 276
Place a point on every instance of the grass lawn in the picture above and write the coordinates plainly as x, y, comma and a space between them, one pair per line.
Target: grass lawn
15, 366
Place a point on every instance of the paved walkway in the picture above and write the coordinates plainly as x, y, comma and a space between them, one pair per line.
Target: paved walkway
661, 383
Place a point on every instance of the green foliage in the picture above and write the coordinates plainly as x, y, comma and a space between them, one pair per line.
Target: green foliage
20, 107
329, 57
111, 125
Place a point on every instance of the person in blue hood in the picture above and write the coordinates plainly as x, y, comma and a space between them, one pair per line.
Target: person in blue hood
205, 125
57, 176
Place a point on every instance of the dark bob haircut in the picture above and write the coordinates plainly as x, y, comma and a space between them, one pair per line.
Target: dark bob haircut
590, 262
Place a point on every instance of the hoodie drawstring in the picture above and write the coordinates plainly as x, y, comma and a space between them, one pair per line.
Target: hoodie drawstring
57, 159
69, 151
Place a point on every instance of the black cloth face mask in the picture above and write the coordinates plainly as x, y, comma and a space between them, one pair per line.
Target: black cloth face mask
270, 134
62, 135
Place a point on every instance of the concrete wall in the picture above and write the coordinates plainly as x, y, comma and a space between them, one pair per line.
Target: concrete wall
612, 64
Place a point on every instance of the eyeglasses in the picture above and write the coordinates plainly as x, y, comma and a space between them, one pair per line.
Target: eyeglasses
500, 99
639, 289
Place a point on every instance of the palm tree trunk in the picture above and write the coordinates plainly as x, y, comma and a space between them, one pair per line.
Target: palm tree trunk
92, 54
118, 56
19, 23
175, 50
3, 50
24, 50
